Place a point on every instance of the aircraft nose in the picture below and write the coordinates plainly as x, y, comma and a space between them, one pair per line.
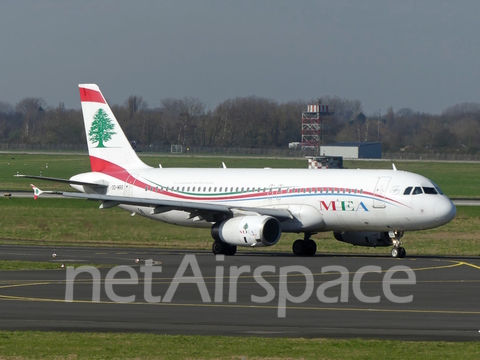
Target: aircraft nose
444, 210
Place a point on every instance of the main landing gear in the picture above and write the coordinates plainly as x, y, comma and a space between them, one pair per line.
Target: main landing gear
305, 247
397, 251
221, 248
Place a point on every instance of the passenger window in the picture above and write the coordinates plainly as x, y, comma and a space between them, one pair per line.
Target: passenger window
407, 191
430, 190
417, 190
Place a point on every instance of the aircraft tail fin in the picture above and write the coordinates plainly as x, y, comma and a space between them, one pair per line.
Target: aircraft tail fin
108, 147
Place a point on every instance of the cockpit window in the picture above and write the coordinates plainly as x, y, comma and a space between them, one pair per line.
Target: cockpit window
417, 190
407, 191
430, 190
437, 188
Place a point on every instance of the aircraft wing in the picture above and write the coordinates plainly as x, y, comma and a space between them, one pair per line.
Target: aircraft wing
206, 211
65, 181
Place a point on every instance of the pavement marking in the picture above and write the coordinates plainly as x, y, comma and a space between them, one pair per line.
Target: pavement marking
238, 306
472, 265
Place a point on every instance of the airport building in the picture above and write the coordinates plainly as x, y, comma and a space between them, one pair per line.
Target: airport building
353, 150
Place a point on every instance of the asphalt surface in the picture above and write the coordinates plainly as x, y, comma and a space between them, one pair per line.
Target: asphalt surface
211, 299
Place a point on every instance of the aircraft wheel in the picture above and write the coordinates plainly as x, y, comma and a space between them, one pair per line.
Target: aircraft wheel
218, 248
401, 252
311, 247
230, 250
395, 252
299, 247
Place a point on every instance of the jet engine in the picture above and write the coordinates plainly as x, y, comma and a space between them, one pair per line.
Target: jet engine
364, 238
248, 231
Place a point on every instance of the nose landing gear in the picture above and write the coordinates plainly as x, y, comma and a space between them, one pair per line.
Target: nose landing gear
397, 251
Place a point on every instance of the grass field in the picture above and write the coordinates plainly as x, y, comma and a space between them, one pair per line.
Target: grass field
455, 179
65, 345
80, 223
16, 265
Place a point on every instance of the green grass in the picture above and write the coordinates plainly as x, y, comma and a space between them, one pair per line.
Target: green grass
455, 179
81, 223
77, 222
16, 265
65, 345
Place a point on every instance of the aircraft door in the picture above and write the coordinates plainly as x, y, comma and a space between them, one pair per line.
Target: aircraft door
279, 194
129, 184
380, 191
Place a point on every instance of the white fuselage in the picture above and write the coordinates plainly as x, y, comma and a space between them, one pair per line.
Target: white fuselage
319, 200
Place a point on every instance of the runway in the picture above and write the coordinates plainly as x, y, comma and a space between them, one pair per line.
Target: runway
245, 295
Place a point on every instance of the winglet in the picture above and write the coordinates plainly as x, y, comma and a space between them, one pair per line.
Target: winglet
394, 167
36, 192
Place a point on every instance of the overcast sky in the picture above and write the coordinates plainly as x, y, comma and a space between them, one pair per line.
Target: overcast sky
423, 55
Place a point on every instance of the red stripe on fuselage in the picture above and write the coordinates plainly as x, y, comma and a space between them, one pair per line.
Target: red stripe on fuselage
106, 167
89, 95
111, 169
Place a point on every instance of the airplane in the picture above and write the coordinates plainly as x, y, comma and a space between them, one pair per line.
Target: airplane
253, 207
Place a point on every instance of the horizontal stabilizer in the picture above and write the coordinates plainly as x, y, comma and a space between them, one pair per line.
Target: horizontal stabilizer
37, 192
65, 181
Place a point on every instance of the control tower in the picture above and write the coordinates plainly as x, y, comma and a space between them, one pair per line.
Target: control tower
313, 127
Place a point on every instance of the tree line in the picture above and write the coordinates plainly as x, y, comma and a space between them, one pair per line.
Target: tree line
249, 122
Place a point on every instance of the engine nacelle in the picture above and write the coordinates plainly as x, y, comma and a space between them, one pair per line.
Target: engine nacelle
248, 231
362, 238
